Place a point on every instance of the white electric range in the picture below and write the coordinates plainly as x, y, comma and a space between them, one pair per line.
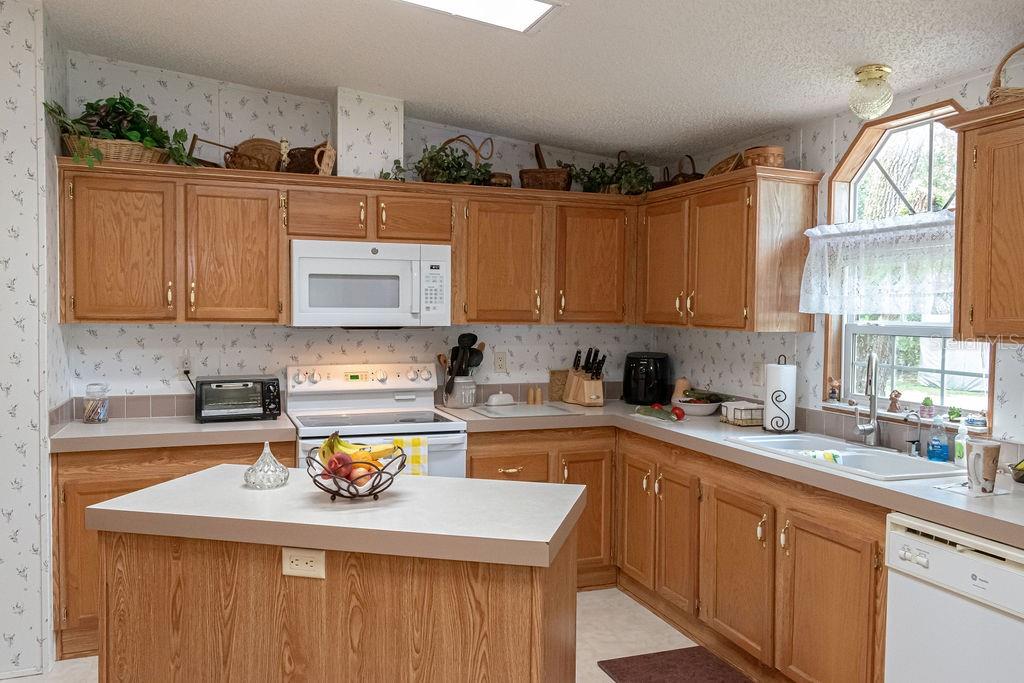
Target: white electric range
374, 404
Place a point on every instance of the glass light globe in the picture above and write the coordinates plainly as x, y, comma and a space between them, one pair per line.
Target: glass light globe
871, 95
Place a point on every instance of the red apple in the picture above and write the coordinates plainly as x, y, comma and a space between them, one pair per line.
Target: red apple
678, 412
340, 465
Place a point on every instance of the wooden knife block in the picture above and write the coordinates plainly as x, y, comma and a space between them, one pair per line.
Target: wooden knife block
582, 390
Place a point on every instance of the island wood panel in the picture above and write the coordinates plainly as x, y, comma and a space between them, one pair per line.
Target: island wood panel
590, 264
503, 261
228, 613
119, 249
720, 257
327, 213
86, 478
414, 218
662, 263
233, 242
784, 212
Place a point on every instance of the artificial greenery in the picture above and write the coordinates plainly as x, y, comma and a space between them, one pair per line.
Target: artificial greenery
597, 178
451, 165
633, 177
928, 401
954, 413
397, 172
118, 118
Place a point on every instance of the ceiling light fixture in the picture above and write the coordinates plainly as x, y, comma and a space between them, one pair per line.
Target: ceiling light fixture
871, 95
518, 15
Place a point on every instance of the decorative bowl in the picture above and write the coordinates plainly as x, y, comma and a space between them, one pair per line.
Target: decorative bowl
375, 483
697, 409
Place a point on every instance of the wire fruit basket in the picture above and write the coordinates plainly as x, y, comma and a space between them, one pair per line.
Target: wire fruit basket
370, 485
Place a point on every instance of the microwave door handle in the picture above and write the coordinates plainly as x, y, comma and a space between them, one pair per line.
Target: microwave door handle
415, 308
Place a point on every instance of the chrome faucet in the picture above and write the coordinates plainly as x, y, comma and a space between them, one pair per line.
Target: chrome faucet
914, 447
870, 429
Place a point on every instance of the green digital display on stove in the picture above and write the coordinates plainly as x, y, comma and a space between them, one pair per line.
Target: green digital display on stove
354, 378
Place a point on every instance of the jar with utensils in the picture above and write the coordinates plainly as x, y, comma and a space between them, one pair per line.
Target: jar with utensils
96, 403
463, 393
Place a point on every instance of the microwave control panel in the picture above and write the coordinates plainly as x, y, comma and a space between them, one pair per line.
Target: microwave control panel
435, 284
433, 287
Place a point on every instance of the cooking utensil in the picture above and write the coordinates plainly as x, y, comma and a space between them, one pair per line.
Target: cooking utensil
467, 339
443, 362
475, 358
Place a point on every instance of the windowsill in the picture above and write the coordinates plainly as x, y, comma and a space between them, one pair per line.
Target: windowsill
898, 418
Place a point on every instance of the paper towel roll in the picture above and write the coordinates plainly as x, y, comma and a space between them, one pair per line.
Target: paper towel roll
780, 397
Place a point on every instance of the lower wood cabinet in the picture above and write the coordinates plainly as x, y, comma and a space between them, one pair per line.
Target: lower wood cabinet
575, 456
636, 531
677, 536
86, 478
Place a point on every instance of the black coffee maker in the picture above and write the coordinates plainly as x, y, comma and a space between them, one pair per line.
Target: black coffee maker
647, 378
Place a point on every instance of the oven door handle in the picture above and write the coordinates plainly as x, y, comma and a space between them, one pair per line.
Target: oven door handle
415, 308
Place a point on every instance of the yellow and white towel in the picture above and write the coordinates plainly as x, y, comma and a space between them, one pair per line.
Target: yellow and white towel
415, 448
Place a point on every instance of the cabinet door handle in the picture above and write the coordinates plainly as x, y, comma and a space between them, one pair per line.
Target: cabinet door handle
510, 470
561, 305
536, 294
679, 298
565, 472
689, 302
170, 294
760, 527
192, 297
362, 215
643, 482
657, 485
383, 216
783, 537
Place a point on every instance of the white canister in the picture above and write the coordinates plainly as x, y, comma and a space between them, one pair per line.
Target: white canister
780, 396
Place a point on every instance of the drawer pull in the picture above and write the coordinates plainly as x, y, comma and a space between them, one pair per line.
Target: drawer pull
192, 297
362, 215
383, 216
561, 307
170, 294
510, 470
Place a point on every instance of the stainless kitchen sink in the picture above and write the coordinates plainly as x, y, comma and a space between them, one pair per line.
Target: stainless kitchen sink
867, 461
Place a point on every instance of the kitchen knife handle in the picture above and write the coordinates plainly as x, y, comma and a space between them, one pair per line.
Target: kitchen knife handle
561, 306
689, 303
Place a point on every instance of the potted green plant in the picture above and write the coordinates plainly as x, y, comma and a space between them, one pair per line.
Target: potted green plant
927, 408
118, 128
447, 164
397, 172
597, 178
633, 177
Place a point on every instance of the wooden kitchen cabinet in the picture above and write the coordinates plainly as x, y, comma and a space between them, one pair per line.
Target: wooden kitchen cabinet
518, 464
414, 218
989, 216
591, 467
737, 568
677, 536
233, 247
327, 213
86, 478
637, 533
662, 263
825, 597
590, 264
119, 249
503, 261
719, 240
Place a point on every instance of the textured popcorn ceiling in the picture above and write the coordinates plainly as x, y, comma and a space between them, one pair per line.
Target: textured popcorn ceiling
654, 76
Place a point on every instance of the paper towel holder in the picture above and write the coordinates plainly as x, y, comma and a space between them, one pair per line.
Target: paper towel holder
782, 423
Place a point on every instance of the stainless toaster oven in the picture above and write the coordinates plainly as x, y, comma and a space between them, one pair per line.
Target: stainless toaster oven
228, 398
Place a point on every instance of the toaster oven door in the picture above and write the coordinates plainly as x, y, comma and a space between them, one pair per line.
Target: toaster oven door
229, 400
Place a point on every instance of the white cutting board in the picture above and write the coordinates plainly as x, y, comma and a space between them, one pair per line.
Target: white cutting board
522, 410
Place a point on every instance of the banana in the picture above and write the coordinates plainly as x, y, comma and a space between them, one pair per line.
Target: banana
329, 447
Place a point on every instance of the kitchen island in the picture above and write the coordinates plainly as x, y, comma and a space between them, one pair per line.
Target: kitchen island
440, 579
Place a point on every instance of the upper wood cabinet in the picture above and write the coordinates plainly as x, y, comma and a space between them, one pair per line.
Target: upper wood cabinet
590, 264
662, 263
414, 217
119, 260
327, 213
989, 220
503, 261
719, 261
233, 245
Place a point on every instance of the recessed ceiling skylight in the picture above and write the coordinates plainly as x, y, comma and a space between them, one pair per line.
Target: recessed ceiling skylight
518, 15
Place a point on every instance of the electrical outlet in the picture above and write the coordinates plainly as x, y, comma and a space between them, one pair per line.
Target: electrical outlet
501, 362
303, 562
758, 374
186, 361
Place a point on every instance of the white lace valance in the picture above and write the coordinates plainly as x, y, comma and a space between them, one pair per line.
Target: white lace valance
902, 264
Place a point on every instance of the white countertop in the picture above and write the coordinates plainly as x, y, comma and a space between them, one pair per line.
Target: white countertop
166, 432
474, 520
1000, 518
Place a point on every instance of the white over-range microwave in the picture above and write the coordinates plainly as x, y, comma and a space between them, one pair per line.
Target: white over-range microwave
370, 284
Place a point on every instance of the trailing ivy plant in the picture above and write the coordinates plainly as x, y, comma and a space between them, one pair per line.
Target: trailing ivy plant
633, 177
397, 172
451, 165
118, 118
597, 178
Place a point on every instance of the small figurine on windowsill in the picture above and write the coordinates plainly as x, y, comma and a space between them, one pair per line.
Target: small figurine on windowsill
894, 401
833, 390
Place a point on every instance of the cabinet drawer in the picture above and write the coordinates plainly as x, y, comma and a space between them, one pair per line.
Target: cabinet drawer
516, 467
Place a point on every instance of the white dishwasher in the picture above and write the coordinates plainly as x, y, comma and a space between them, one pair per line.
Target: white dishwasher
955, 605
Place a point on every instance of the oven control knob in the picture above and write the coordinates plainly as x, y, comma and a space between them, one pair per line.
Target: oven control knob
299, 377
426, 374
314, 378
381, 376
412, 375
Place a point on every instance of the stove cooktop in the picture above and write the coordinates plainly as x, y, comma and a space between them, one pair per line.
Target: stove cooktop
402, 417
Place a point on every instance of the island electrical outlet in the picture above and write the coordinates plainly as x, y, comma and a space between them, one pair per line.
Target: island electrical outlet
305, 562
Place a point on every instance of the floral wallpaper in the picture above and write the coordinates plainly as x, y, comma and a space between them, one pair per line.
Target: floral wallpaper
145, 359
369, 132
215, 110
24, 271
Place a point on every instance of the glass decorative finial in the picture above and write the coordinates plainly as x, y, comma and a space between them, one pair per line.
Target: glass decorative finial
266, 472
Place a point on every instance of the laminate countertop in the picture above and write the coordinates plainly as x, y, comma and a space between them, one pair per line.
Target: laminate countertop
1000, 518
476, 520
166, 432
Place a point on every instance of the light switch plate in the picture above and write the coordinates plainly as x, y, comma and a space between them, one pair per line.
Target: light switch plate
305, 562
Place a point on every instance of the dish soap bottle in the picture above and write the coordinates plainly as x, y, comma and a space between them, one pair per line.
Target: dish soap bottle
938, 446
266, 472
960, 445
